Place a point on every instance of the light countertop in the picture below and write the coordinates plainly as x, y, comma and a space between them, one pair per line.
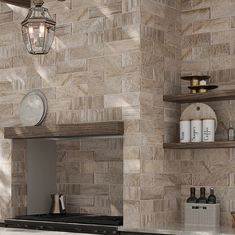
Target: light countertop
181, 230
15, 231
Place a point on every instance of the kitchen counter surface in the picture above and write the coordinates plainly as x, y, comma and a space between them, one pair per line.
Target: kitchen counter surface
181, 230
15, 231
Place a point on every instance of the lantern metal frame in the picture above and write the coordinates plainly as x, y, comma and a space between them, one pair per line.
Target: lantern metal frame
35, 21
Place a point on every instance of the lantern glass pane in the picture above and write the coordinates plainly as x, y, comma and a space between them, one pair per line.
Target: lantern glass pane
38, 30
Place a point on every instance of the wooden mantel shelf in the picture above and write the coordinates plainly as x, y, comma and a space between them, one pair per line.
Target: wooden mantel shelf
65, 131
203, 97
211, 145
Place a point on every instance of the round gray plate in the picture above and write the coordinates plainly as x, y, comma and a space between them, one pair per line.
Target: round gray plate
33, 108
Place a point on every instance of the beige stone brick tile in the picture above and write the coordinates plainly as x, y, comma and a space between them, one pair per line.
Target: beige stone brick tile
94, 189
55, 5
224, 10
113, 35
214, 178
131, 18
219, 63
213, 50
131, 193
71, 41
85, 3
72, 66
90, 51
197, 4
152, 113
112, 85
132, 126
130, 179
131, 82
91, 25
79, 200
153, 7
68, 15
196, 15
129, 113
131, 152
220, 37
186, 4
6, 17
171, 115
195, 166
131, 32
146, 153
202, 39
102, 178
131, 211
195, 66
116, 47
186, 54
121, 100
149, 127
131, 166
64, 29
95, 37
109, 8
147, 206
152, 166
76, 178
130, 5
131, 58
151, 193
63, 118
213, 25
113, 21
186, 28
172, 166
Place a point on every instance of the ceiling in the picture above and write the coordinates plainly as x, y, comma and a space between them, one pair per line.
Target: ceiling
20, 3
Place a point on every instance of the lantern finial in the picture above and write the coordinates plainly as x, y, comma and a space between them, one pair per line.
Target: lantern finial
38, 3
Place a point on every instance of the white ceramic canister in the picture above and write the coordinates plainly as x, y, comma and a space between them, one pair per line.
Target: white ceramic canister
196, 130
208, 130
184, 131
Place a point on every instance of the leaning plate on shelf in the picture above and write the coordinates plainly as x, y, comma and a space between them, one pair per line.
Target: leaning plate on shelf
33, 108
199, 111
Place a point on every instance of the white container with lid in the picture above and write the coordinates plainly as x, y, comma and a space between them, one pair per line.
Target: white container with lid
196, 131
184, 131
208, 126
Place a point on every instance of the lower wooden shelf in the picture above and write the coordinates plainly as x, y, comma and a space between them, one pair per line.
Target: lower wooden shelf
202, 145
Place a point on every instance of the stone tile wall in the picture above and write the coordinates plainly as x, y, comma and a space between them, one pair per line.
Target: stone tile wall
90, 175
113, 60
91, 74
208, 48
156, 183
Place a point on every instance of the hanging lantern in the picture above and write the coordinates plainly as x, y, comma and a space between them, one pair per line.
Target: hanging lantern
38, 29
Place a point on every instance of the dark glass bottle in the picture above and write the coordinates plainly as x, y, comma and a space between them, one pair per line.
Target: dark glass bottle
202, 198
192, 198
212, 198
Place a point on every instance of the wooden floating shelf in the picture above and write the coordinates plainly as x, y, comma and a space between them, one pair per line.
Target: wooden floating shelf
65, 131
202, 97
209, 145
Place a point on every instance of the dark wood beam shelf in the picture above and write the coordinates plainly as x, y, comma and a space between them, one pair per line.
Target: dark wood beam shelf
203, 97
65, 131
211, 145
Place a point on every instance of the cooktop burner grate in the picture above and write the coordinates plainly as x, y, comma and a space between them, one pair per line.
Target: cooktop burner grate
75, 218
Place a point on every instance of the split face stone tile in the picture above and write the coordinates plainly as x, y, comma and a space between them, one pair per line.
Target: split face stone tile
196, 15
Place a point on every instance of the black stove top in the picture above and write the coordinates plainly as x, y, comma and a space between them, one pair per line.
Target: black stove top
74, 222
76, 218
